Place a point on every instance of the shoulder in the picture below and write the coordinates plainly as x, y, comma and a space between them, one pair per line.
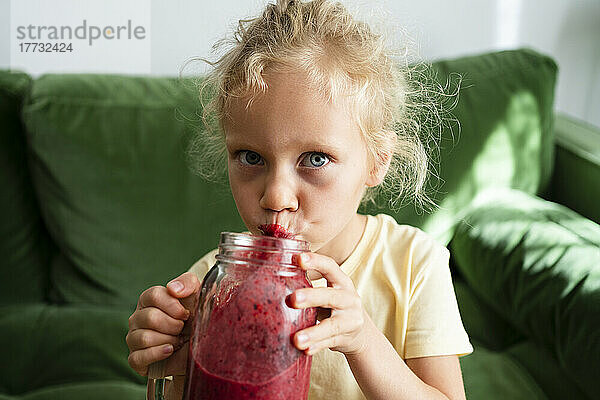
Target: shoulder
201, 267
410, 243
407, 236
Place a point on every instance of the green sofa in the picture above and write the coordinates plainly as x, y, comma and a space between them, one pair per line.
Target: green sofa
98, 203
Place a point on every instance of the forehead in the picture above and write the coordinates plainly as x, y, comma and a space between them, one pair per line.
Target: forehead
289, 112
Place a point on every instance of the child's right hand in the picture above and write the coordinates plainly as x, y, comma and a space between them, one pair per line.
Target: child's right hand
161, 324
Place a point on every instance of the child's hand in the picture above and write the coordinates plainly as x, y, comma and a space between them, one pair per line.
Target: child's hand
157, 329
346, 329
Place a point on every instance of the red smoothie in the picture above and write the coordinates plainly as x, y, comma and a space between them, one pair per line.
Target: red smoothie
284, 386
244, 346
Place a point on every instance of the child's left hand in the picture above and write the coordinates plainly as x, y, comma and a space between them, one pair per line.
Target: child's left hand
346, 329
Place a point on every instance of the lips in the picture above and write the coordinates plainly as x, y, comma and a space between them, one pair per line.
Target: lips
275, 230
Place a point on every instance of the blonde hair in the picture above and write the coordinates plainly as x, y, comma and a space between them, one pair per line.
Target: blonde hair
396, 105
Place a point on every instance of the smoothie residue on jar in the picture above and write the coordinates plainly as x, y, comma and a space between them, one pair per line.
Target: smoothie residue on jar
275, 230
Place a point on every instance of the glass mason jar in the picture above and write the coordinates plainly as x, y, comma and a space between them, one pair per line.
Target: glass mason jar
241, 343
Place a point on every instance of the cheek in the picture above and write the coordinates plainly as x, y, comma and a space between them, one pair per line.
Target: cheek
337, 192
242, 192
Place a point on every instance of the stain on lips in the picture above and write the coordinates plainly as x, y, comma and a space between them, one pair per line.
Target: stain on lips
275, 230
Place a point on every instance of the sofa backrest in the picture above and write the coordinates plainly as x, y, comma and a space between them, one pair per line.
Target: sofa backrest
24, 242
106, 157
109, 172
505, 138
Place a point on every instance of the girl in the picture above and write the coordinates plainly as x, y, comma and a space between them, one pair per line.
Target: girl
313, 116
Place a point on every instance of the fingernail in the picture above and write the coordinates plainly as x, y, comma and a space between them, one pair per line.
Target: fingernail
187, 314
167, 349
304, 257
300, 297
302, 338
176, 286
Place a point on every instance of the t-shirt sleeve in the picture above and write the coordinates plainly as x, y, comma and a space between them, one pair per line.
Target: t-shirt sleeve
434, 325
203, 265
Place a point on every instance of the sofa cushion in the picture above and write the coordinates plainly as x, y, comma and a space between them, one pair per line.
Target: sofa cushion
504, 137
494, 375
545, 370
482, 322
24, 243
537, 264
55, 345
109, 169
496, 338
92, 390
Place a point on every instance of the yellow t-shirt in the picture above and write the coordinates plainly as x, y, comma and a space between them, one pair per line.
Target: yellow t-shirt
403, 279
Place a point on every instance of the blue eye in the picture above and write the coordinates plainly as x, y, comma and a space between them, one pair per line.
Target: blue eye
315, 160
250, 157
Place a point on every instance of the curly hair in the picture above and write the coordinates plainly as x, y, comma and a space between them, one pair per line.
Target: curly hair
395, 104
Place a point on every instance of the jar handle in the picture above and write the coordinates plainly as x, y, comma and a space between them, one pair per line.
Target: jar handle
156, 372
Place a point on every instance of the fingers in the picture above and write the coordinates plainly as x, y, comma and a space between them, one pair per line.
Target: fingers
326, 297
157, 329
336, 333
184, 285
159, 297
155, 319
345, 329
313, 275
140, 359
140, 339
326, 267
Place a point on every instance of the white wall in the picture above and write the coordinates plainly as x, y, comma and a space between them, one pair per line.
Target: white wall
569, 31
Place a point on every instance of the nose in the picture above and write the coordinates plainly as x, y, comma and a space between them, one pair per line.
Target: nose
279, 192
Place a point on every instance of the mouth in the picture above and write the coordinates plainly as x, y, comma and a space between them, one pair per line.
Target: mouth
275, 230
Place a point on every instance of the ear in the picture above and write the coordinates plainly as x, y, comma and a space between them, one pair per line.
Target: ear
381, 164
379, 170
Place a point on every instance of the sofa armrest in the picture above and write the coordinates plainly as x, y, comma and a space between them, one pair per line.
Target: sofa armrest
576, 178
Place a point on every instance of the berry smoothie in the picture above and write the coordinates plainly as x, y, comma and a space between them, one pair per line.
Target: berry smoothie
244, 348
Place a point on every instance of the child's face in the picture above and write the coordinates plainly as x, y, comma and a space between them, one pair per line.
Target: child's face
296, 161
